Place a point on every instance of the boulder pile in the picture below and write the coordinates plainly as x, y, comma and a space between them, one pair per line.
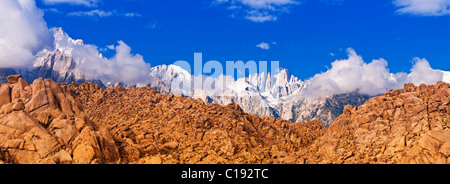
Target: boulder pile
46, 122
405, 126
41, 124
150, 127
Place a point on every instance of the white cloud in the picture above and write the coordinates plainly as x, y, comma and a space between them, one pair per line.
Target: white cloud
263, 45
267, 4
257, 10
92, 13
23, 33
88, 3
260, 17
131, 14
422, 73
111, 47
353, 74
423, 7
52, 10
102, 14
129, 68
122, 67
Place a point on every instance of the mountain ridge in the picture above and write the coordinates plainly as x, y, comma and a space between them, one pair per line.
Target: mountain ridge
257, 94
281, 95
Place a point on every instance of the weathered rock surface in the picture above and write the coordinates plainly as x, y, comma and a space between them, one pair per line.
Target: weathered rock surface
409, 125
45, 122
41, 124
153, 128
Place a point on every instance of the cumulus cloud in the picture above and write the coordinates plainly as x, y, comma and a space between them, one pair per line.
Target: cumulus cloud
374, 78
257, 10
422, 73
423, 7
129, 68
23, 33
123, 67
88, 3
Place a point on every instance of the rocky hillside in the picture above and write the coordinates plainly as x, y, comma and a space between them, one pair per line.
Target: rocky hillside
49, 123
46, 122
41, 124
410, 125
150, 127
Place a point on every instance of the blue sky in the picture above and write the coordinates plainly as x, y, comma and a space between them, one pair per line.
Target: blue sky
306, 36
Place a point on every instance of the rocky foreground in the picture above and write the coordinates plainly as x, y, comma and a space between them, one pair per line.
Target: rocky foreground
405, 126
149, 127
41, 124
46, 122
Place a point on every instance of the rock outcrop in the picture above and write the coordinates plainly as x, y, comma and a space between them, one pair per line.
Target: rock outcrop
41, 124
46, 122
150, 127
409, 125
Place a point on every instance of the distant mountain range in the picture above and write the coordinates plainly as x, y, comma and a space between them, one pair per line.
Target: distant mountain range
281, 95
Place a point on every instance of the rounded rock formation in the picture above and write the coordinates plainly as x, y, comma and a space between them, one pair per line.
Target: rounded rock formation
41, 124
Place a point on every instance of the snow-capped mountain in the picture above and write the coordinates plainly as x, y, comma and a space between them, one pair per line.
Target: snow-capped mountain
280, 94
59, 64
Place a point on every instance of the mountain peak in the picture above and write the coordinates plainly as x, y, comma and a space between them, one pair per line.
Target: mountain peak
283, 77
64, 43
